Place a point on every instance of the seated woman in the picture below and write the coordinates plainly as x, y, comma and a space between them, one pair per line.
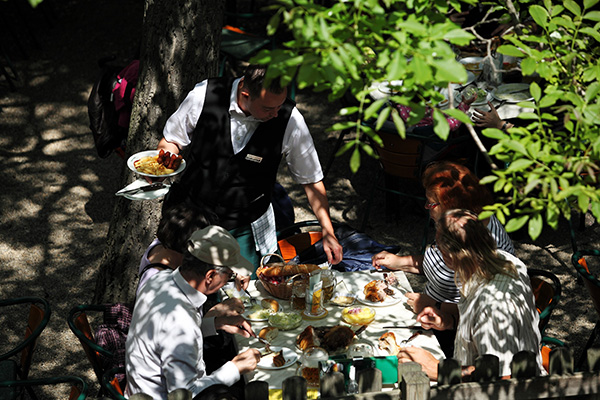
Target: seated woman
496, 314
447, 185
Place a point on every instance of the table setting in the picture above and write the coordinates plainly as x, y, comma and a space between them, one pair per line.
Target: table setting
362, 317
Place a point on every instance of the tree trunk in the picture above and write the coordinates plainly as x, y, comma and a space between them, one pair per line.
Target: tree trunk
180, 47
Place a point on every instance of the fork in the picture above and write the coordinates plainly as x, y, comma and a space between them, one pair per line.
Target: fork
414, 335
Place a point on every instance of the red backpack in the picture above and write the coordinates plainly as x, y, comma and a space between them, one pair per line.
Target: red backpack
109, 107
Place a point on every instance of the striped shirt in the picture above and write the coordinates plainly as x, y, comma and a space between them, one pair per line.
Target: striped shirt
440, 279
499, 318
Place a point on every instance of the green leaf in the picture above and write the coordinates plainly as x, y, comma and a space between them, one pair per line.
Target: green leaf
459, 37
591, 32
535, 91
592, 15
583, 202
516, 223
535, 226
592, 92
450, 71
399, 123
528, 115
440, 124
515, 146
572, 6
596, 210
519, 165
494, 133
587, 4
510, 50
539, 15
528, 66
459, 115
488, 179
355, 161
382, 117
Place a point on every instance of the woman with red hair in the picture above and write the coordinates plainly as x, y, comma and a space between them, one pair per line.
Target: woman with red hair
448, 185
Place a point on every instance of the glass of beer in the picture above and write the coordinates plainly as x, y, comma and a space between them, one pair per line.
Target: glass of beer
299, 294
329, 282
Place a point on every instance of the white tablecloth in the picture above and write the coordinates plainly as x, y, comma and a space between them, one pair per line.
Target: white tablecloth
399, 315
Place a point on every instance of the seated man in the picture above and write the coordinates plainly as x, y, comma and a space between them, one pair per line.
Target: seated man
164, 344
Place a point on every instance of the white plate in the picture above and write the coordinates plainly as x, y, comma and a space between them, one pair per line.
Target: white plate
289, 355
481, 102
389, 87
249, 311
506, 92
389, 301
154, 194
150, 153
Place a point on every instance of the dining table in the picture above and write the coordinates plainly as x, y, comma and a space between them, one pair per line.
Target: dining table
391, 315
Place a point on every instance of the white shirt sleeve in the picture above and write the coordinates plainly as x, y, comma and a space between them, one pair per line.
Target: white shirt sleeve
182, 123
299, 150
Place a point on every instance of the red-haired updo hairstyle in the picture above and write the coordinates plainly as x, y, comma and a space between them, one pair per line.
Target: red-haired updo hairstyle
455, 186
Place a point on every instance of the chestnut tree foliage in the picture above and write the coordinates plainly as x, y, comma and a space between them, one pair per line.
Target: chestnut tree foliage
549, 163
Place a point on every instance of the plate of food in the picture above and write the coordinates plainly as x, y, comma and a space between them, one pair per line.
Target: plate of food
257, 313
144, 192
285, 321
156, 164
483, 96
334, 339
230, 291
512, 92
280, 358
473, 64
378, 293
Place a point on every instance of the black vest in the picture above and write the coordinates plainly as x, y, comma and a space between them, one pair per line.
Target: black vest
236, 189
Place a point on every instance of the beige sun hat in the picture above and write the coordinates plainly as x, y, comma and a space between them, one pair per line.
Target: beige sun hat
215, 245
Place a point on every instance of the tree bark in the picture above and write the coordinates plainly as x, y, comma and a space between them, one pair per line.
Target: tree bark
180, 47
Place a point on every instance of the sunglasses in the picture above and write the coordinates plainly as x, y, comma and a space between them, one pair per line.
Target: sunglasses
431, 206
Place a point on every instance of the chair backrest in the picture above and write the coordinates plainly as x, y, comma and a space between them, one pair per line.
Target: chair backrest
291, 241
111, 385
79, 388
579, 261
39, 315
80, 326
547, 290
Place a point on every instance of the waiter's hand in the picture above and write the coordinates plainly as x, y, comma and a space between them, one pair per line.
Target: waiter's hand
487, 119
333, 249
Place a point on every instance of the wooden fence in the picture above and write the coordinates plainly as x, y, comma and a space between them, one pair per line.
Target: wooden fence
560, 383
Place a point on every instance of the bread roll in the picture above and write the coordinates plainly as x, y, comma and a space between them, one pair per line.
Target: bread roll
307, 338
268, 333
388, 342
289, 270
271, 304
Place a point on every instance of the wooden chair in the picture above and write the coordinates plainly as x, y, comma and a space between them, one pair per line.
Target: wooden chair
10, 370
79, 324
79, 388
579, 259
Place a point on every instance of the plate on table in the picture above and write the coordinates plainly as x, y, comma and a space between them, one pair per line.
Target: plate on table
390, 300
131, 161
512, 92
289, 355
150, 195
389, 87
473, 64
257, 313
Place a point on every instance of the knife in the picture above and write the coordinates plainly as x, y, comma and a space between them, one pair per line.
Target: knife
402, 327
147, 188
360, 330
374, 271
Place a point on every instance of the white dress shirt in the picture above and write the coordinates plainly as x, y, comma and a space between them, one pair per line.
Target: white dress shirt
297, 147
164, 343
498, 317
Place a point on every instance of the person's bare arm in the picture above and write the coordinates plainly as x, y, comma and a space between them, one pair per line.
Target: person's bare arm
385, 259
317, 198
171, 147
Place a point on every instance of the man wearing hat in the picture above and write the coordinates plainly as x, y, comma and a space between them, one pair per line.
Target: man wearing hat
164, 345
